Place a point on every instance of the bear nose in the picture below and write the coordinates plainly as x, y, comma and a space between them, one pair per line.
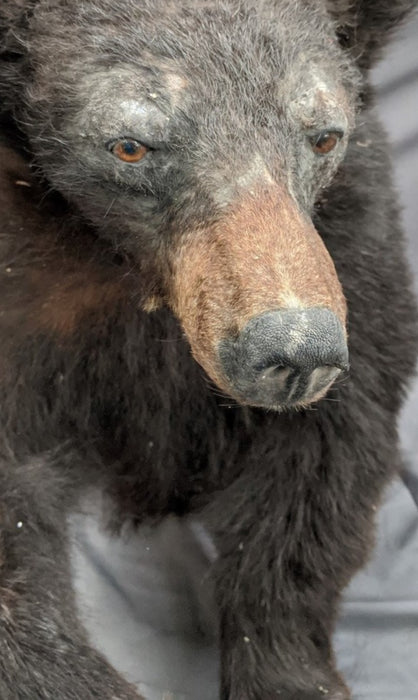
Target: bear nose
285, 357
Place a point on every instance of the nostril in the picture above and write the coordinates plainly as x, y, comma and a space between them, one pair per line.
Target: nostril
278, 371
321, 377
277, 377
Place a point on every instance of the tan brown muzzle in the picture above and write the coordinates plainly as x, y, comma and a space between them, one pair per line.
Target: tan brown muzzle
260, 302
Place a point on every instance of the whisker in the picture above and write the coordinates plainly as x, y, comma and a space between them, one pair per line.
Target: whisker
108, 210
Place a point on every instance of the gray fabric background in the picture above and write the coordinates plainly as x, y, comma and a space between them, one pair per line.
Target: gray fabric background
145, 599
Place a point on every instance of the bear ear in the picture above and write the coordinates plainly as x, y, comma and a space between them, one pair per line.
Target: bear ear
365, 26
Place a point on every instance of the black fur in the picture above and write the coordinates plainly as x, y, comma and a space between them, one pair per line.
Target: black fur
95, 389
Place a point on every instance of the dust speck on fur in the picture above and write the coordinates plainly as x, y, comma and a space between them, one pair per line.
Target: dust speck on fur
22, 183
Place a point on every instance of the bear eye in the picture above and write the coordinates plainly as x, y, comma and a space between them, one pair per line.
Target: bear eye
325, 142
128, 150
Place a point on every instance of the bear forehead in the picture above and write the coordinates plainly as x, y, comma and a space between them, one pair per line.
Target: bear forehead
235, 39
251, 63
129, 99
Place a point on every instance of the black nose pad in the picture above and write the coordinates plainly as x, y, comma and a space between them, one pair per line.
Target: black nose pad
285, 357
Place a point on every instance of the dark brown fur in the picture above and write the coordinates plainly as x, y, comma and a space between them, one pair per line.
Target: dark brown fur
229, 215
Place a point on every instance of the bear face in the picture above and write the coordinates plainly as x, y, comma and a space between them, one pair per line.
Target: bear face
205, 172
202, 169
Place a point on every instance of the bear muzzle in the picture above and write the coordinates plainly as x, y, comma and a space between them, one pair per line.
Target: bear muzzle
260, 302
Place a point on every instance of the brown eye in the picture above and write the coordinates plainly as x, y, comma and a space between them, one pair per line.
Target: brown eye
325, 142
129, 150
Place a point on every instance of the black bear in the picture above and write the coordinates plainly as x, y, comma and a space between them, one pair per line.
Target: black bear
205, 306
